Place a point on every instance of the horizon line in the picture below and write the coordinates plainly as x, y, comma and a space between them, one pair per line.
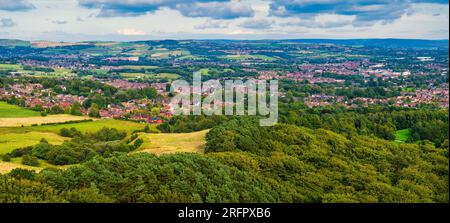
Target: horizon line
230, 39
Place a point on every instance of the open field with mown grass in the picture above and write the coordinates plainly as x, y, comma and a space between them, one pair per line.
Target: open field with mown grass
248, 57
10, 67
402, 135
150, 76
136, 67
13, 111
11, 141
87, 126
18, 137
173, 142
28, 121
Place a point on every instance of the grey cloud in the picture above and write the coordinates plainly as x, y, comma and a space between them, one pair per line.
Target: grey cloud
15, 5
217, 9
366, 12
315, 24
59, 22
7, 23
257, 24
212, 24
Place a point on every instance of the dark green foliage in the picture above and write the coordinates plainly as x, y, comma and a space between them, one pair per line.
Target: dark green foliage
72, 132
322, 166
75, 109
30, 160
173, 178
83, 147
137, 143
369, 121
6, 158
247, 163
22, 174
180, 124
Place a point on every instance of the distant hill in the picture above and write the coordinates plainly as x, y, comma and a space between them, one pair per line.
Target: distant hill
13, 43
388, 43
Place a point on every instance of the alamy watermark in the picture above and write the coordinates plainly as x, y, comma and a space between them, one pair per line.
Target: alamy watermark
212, 98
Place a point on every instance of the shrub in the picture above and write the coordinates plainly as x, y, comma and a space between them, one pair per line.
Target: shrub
23, 174
6, 158
30, 160
138, 143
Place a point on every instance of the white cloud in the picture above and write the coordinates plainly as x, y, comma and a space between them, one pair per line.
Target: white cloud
131, 32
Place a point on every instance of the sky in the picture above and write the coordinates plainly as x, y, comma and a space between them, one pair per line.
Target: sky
128, 20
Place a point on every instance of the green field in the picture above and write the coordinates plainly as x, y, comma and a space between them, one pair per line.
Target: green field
134, 67
19, 137
149, 76
173, 142
248, 57
10, 67
11, 141
90, 126
13, 111
28, 121
191, 57
402, 135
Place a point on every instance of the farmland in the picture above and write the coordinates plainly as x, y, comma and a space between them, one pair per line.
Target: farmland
87, 126
13, 111
11, 141
173, 142
249, 57
10, 66
6, 167
28, 121
150, 76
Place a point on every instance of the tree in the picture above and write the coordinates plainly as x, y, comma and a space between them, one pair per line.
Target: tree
137, 143
20, 173
30, 160
94, 111
6, 158
75, 109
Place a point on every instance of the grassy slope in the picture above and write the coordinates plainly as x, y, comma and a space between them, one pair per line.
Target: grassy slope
6, 167
402, 135
28, 121
11, 141
10, 66
150, 76
13, 111
17, 137
173, 142
90, 126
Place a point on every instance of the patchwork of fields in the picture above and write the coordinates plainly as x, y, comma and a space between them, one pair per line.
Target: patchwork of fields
20, 127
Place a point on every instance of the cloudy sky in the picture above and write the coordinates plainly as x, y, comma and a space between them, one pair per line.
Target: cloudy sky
75, 20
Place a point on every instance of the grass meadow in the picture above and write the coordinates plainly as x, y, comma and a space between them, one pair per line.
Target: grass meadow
173, 142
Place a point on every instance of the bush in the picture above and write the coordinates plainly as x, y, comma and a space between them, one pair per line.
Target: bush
138, 143
23, 174
30, 160
21, 151
6, 158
